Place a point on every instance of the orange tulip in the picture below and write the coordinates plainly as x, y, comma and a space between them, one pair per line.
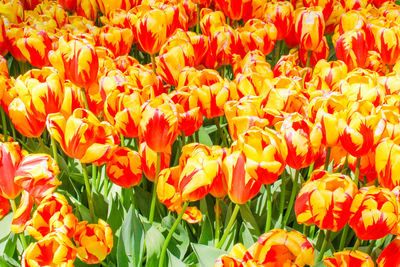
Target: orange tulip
224, 42
52, 215
83, 136
10, 157
386, 163
347, 258
258, 35
118, 40
331, 72
352, 48
77, 61
309, 27
159, 123
241, 187
390, 254
320, 53
324, 200
40, 92
281, 248
23, 213
387, 42
355, 4
210, 20
34, 46
54, 249
374, 213
106, 6
125, 167
149, 160
281, 15
232, 8
94, 241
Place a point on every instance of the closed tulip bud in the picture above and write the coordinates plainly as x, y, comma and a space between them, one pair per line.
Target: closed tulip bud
125, 167
124, 62
240, 185
224, 42
76, 61
387, 42
35, 46
232, 8
3, 38
281, 15
355, 4
302, 139
252, 84
327, 6
151, 31
254, 61
210, 20
22, 213
52, 215
10, 157
87, 9
324, 200
352, 20
352, 48
332, 72
258, 35
374, 213
281, 248
348, 257
149, 160
309, 26
94, 241
159, 123
320, 53
167, 188
390, 255
83, 136
4, 207
55, 248
118, 40
213, 98
386, 163
265, 152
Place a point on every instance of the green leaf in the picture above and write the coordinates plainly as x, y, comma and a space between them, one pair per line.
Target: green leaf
100, 204
7, 261
207, 232
115, 214
131, 240
5, 225
204, 137
207, 255
154, 242
180, 239
174, 261
10, 245
249, 220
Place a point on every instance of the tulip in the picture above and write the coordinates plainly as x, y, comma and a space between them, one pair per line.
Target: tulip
87, 9
258, 35
386, 164
327, 6
232, 8
324, 200
355, 4
4, 207
106, 6
240, 185
373, 213
281, 15
159, 123
352, 48
390, 254
387, 42
10, 157
22, 213
54, 249
309, 27
320, 53
83, 136
52, 215
347, 258
94, 241
224, 42
118, 40
149, 160
125, 167
331, 72
210, 20
3, 38
254, 61
282, 248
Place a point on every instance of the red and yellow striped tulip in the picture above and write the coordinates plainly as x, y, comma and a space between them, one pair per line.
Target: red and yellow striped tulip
125, 167
224, 42
387, 42
118, 40
390, 255
386, 163
309, 25
34, 46
149, 160
4, 207
234, 9
320, 53
352, 48
374, 213
210, 20
281, 15
258, 35
348, 257
324, 200
10, 157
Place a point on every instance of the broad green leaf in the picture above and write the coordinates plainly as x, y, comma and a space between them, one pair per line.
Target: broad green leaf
180, 239
246, 237
130, 242
115, 214
5, 225
206, 255
174, 261
154, 242
100, 204
249, 220
204, 137
207, 232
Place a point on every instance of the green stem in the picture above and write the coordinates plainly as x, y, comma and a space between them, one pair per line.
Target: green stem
85, 101
357, 244
224, 142
269, 209
132, 195
88, 191
171, 232
371, 246
357, 173
153, 63
229, 226
154, 197
4, 123
312, 231
283, 195
344, 237
324, 245
291, 200
122, 140
278, 51
198, 19
328, 155
21, 235
308, 58
54, 148
217, 221
94, 177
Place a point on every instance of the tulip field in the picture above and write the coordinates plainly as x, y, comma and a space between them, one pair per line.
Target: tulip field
200, 133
